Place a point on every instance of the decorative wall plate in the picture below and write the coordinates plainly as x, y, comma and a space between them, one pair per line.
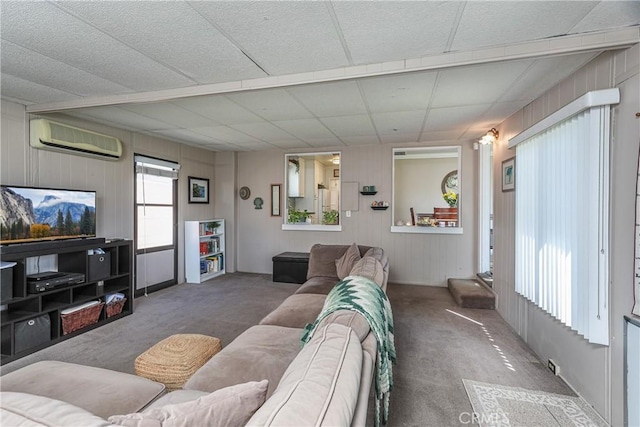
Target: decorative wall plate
450, 182
244, 193
257, 202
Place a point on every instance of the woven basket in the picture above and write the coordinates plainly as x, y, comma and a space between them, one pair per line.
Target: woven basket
115, 307
81, 318
175, 359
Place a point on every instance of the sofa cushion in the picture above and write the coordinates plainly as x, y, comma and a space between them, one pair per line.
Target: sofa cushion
345, 263
321, 385
322, 260
230, 406
79, 385
29, 410
370, 268
260, 352
317, 285
296, 311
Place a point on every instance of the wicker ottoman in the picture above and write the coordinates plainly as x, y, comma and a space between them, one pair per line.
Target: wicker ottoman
175, 359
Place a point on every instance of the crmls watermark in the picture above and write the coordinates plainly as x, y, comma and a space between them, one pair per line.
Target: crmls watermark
483, 418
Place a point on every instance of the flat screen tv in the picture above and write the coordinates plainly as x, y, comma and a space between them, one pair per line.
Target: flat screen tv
29, 214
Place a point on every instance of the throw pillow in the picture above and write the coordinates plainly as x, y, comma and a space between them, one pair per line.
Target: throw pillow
370, 268
230, 406
345, 263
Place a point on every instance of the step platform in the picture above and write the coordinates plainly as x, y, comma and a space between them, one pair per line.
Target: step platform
472, 293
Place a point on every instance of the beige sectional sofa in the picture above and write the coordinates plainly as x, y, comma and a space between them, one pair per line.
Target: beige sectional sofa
327, 382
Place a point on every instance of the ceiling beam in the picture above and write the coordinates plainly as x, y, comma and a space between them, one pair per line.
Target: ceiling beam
566, 45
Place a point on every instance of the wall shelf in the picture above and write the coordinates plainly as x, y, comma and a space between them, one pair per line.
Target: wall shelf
379, 208
368, 193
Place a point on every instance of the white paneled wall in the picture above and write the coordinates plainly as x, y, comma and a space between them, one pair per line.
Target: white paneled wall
113, 181
595, 372
423, 259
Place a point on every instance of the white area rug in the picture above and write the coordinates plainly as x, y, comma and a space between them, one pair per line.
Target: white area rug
496, 405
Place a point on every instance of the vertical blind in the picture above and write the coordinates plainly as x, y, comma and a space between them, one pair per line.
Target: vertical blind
562, 221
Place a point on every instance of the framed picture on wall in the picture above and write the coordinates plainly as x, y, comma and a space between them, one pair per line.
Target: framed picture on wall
509, 174
198, 190
276, 199
336, 173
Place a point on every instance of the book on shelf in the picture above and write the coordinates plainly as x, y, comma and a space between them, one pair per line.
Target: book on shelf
212, 264
210, 246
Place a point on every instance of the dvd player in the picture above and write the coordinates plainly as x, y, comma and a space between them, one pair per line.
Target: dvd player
48, 280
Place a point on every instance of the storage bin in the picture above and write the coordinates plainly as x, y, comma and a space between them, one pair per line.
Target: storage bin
81, 316
6, 280
32, 332
114, 308
99, 266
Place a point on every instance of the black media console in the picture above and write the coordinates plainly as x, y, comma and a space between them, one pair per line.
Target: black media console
31, 321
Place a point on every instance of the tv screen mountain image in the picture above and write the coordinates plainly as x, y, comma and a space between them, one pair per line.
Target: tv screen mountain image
32, 213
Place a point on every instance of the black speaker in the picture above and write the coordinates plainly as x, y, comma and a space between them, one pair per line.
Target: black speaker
32, 332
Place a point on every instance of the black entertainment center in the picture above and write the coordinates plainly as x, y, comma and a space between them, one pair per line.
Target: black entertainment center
87, 270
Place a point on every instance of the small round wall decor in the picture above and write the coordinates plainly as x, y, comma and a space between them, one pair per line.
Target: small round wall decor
244, 193
257, 202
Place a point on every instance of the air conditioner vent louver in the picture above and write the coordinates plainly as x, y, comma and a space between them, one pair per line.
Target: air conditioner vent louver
49, 135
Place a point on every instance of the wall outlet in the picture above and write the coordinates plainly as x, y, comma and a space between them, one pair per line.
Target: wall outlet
553, 367
348, 214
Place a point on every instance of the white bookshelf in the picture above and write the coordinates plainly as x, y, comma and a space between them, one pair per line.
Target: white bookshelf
204, 256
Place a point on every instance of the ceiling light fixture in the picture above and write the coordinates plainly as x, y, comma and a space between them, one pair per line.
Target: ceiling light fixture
336, 159
490, 137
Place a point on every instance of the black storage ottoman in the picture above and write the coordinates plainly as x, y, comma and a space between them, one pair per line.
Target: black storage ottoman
290, 267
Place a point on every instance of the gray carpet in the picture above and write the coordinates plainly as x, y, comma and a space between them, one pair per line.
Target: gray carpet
436, 346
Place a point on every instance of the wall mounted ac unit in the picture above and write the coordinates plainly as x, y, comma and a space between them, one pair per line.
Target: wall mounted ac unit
48, 135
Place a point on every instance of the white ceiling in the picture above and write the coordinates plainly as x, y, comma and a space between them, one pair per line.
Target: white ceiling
298, 75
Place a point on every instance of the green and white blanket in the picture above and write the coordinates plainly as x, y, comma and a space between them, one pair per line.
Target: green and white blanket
364, 296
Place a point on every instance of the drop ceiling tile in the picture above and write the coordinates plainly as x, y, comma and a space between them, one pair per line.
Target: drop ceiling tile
608, 15
182, 135
486, 24
402, 92
331, 99
271, 104
264, 131
389, 31
324, 142
477, 84
170, 33
282, 37
442, 119
402, 122
219, 109
121, 118
448, 135
360, 140
543, 74
399, 138
29, 92
82, 46
287, 144
169, 113
305, 129
18, 61
348, 126
225, 134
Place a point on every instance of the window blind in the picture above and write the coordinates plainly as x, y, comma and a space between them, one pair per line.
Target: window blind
562, 220
157, 167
